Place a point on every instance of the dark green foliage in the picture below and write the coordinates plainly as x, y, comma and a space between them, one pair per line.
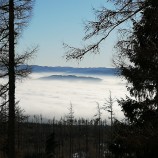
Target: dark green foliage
134, 141
40, 140
51, 145
141, 70
34, 155
138, 62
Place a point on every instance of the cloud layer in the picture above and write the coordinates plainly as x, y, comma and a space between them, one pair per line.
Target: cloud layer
52, 98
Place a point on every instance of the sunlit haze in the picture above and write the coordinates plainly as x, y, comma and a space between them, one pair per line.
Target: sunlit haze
52, 98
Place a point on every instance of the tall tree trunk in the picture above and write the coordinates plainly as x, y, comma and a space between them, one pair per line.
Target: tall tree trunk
11, 121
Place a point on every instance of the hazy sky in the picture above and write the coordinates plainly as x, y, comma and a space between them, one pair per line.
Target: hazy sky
57, 21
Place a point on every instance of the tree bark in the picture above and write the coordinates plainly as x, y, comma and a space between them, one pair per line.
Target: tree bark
11, 121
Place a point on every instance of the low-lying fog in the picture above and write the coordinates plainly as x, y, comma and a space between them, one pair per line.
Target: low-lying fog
52, 98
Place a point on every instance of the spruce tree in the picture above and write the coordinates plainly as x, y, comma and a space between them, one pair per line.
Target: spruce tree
141, 70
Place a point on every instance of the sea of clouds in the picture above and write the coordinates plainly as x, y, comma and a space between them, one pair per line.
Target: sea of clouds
52, 98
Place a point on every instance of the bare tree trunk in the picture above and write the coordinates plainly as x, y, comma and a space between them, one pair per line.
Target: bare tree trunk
87, 149
11, 121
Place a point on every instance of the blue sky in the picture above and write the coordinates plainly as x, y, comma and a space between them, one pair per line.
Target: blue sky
57, 21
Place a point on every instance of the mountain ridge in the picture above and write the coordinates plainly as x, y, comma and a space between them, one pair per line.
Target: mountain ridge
70, 78
74, 70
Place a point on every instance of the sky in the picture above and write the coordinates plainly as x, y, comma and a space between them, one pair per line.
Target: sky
55, 22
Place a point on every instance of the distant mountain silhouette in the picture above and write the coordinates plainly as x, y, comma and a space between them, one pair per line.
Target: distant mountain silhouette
70, 78
72, 70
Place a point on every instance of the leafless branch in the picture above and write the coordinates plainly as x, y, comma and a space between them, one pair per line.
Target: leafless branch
107, 21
